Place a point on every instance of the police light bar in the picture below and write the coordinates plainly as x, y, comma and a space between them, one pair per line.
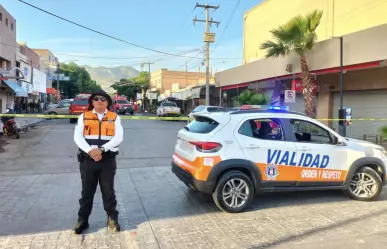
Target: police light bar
265, 107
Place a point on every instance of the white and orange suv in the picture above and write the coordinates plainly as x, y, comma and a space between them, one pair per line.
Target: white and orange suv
234, 155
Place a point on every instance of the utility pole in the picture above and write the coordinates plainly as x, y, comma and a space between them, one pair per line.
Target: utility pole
57, 80
208, 38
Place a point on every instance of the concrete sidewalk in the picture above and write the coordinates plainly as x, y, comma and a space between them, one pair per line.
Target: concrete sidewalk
23, 123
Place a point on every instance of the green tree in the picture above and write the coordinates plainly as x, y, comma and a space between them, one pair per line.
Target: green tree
297, 36
130, 87
383, 131
248, 97
80, 80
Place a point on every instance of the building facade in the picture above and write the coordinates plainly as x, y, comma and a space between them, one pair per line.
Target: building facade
165, 80
364, 60
7, 54
340, 17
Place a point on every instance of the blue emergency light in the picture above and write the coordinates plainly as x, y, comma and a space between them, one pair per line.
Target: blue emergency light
265, 107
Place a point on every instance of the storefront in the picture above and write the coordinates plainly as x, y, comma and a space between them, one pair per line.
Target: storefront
365, 74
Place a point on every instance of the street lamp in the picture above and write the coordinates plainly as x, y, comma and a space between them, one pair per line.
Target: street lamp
342, 127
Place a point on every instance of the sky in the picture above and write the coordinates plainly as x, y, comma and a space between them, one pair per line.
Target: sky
160, 25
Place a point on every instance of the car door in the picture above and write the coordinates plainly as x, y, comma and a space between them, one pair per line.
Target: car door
63, 109
269, 150
323, 163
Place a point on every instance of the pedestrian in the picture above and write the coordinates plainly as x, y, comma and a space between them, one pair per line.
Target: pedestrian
98, 134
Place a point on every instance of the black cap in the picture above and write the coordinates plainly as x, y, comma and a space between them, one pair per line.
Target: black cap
100, 93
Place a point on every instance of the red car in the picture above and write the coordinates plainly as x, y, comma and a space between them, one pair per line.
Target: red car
121, 105
78, 106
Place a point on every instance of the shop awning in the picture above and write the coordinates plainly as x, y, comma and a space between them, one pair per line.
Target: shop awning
20, 92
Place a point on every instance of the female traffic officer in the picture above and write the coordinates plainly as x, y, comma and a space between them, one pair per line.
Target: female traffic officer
98, 134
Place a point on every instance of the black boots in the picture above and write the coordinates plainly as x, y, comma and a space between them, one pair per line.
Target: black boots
80, 227
113, 224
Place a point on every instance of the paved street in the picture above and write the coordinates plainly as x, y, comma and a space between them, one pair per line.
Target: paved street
40, 188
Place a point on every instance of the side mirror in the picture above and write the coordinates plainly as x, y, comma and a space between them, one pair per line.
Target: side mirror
335, 140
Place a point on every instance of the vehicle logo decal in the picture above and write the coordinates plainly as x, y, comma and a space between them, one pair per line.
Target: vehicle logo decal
271, 172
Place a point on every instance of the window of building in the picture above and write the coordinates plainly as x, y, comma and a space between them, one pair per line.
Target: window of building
1, 17
6, 21
11, 26
49, 58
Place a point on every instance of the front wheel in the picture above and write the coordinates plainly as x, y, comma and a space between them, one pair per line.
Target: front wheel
234, 192
365, 185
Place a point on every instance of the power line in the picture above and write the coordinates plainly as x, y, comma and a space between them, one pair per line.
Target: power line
100, 33
129, 58
190, 60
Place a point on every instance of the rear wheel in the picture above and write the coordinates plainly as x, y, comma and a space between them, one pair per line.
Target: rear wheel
16, 132
52, 114
234, 192
365, 185
73, 120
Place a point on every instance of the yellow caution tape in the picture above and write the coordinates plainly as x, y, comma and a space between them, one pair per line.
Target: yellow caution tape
46, 116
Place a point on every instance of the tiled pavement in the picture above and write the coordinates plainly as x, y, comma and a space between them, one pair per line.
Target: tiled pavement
157, 211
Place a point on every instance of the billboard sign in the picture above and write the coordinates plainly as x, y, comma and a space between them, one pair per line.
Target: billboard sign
39, 81
26, 70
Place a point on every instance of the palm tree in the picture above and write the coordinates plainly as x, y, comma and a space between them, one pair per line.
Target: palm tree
248, 97
297, 36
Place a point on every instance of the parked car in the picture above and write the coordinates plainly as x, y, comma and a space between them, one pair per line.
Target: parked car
78, 106
121, 105
229, 156
62, 102
168, 108
201, 109
61, 109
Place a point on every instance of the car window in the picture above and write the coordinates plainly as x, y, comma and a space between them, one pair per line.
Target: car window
202, 125
122, 102
269, 129
169, 104
199, 108
308, 132
80, 102
214, 109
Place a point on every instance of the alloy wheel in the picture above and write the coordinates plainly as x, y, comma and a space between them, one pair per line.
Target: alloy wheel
363, 185
235, 193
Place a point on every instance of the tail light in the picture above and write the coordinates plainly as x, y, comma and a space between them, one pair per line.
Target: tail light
207, 147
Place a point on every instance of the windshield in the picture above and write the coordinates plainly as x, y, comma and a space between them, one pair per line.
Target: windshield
170, 104
199, 108
122, 102
80, 102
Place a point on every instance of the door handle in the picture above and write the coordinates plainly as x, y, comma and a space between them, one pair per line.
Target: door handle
304, 149
253, 146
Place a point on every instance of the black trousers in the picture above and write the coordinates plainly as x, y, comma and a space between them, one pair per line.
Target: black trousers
92, 173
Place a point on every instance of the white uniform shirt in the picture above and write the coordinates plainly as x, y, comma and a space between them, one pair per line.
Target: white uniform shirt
111, 145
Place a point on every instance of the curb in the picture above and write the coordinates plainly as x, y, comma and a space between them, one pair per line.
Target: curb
25, 125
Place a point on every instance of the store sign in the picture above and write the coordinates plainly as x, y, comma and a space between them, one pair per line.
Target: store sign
27, 87
39, 81
26, 70
62, 77
297, 85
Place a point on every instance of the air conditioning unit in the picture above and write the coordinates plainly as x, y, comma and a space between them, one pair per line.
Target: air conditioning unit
289, 68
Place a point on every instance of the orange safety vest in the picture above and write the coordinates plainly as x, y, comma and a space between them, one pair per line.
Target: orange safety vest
98, 133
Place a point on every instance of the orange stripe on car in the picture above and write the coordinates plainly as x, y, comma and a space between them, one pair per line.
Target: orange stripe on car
199, 168
303, 174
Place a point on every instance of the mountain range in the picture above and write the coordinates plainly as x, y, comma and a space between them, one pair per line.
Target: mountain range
106, 76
